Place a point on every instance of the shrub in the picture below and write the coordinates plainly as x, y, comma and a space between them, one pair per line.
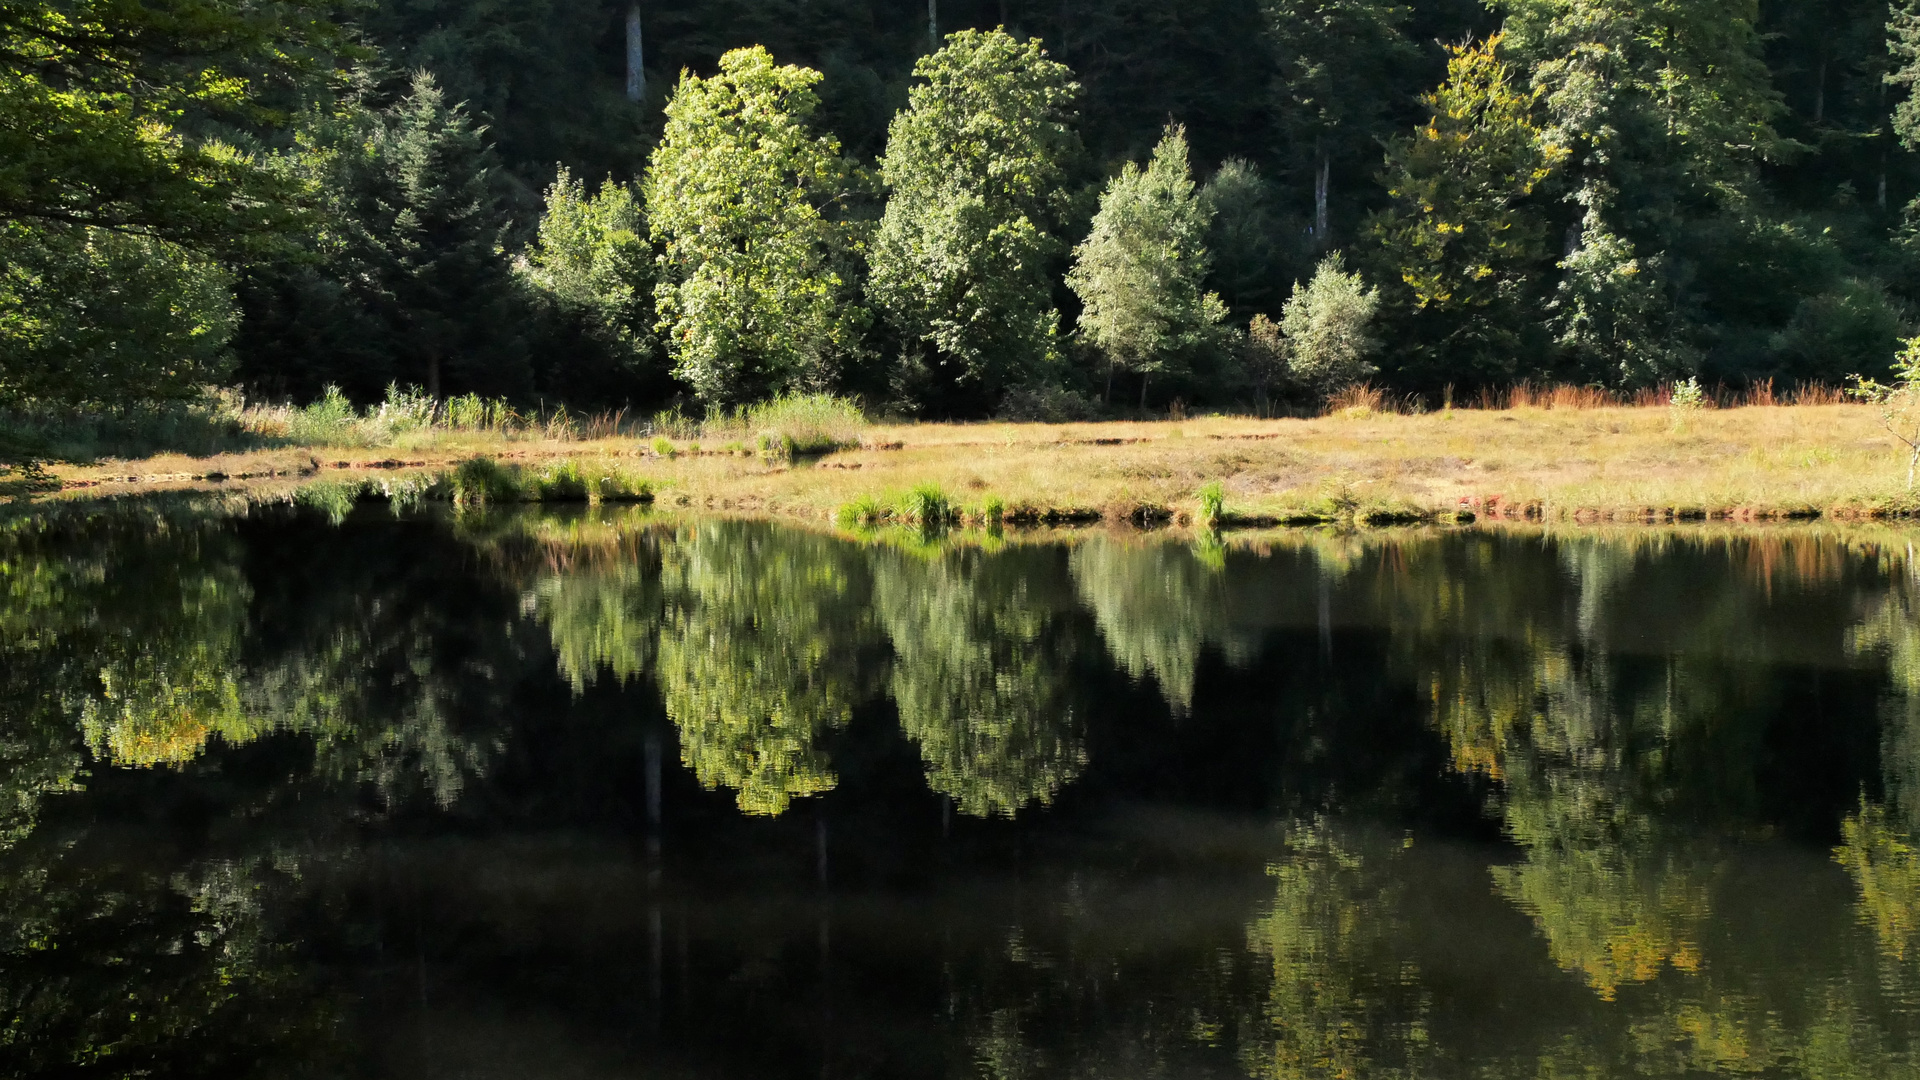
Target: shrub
663, 448
483, 480
331, 421
863, 510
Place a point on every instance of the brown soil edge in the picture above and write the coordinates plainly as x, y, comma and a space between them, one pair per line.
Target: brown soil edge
282, 484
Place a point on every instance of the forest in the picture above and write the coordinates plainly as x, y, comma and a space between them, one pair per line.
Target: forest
1032, 209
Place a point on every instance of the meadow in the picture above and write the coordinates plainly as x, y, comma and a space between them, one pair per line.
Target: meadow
1556, 455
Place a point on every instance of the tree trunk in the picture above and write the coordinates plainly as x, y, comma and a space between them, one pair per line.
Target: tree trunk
433, 378
1107, 398
1322, 177
1820, 93
933, 26
636, 57
1144, 376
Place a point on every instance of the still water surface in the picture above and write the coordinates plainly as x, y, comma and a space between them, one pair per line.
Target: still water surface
602, 795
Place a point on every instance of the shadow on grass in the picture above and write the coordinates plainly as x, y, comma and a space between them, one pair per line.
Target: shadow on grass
82, 438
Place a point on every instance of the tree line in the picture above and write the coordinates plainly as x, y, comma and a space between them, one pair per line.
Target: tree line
1048, 211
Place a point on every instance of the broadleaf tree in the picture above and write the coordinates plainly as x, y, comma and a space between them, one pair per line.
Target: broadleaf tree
962, 264
1141, 274
756, 294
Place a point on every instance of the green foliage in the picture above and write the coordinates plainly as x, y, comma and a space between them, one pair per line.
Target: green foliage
975, 171
1898, 402
101, 319
755, 296
1213, 502
794, 424
592, 260
109, 113
1327, 326
1256, 245
1140, 276
1462, 247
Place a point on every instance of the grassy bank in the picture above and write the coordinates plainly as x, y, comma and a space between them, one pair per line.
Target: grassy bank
1615, 463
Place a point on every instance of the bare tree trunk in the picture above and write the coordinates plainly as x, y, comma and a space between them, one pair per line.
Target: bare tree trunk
1107, 399
1820, 93
1144, 376
933, 26
433, 378
1322, 178
636, 57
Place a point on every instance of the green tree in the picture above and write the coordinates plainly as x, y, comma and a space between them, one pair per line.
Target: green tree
1140, 276
592, 261
109, 112
425, 238
1343, 79
100, 318
1328, 327
1462, 247
1666, 112
976, 171
755, 294
1254, 244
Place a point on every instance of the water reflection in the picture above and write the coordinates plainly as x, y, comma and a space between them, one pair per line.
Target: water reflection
277, 791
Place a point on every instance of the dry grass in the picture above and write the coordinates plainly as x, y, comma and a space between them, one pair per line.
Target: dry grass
1564, 458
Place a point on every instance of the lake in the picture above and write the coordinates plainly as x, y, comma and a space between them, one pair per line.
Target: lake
348, 791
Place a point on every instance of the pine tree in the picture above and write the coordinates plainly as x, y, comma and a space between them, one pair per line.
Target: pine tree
755, 295
976, 169
1140, 275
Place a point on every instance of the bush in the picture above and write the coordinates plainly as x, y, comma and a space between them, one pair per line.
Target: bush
927, 505
1213, 501
1047, 405
806, 423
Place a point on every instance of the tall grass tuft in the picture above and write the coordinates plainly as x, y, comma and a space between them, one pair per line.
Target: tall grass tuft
927, 505
1213, 503
792, 424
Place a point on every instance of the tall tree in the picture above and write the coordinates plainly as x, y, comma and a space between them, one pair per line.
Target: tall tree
756, 296
1464, 247
427, 229
592, 261
1140, 276
1666, 112
975, 170
1345, 78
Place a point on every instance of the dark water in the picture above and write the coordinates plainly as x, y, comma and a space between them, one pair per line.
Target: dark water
604, 796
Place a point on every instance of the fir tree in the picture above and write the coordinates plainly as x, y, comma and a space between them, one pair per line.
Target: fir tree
426, 246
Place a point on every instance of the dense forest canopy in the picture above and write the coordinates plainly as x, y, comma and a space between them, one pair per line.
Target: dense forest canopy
962, 207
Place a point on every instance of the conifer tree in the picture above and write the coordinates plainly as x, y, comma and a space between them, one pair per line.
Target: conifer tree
1141, 274
755, 295
975, 170
426, 234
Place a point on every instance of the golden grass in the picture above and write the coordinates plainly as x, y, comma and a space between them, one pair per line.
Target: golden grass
1579, 462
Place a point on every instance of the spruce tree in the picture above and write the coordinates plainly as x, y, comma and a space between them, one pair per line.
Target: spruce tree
1140, 276
426, 236
976, 171
592, 263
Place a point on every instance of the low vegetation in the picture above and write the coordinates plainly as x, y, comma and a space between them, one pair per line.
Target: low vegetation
1552, 457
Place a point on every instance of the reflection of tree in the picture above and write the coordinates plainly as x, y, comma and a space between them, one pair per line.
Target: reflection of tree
1342, 1002
1880, 846
1615, 904
108, 969
981, 672
1157, 605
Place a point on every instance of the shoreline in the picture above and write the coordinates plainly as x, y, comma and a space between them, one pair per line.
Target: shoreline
1618, 465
